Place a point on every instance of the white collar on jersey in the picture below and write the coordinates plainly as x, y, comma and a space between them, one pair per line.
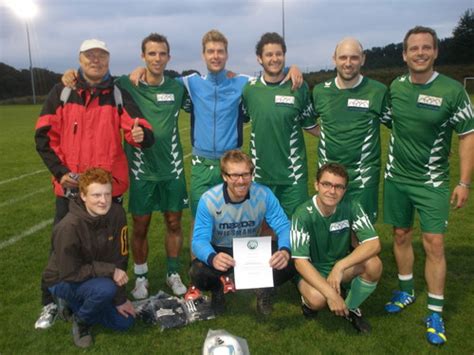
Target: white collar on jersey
361, 77
433, 77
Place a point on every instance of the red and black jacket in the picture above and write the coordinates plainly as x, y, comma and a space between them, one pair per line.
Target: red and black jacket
86, 131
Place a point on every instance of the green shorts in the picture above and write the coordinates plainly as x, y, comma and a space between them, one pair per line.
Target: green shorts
290, 196
148, 196
368, 198
205, 173
324, 271
400, 202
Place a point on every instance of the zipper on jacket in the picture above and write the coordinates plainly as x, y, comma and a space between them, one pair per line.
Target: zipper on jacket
215, 123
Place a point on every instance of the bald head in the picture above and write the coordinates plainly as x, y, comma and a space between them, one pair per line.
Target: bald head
349, 58
349, 43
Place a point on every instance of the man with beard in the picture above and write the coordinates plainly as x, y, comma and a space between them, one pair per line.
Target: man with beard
236, 209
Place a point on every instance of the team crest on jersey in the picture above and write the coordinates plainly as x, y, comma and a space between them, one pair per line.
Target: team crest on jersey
339, 226
358, 105
427, 101
165, 98
284, 100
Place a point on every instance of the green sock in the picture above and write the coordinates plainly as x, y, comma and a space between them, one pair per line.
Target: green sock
435, 303
406, 283
360, 290
172, 264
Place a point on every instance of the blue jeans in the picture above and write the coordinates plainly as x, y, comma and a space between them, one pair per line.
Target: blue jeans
92, 302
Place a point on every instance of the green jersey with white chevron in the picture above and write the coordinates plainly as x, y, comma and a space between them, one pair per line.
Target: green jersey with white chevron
424, 117
350, 127
325, 240
276, 142
160, 105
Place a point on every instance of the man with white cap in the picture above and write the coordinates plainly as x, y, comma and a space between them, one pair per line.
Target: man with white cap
82, 128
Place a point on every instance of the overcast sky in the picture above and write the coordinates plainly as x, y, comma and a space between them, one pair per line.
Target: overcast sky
312, 28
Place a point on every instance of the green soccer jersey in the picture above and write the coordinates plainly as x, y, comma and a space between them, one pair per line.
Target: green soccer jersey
350, 127
325, 240
160, 105
277, 144
424, 117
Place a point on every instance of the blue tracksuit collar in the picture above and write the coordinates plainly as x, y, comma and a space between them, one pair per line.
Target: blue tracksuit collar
217, 78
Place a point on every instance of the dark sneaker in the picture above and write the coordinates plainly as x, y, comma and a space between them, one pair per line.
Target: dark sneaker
264, 301
81, 333
358, 322
308, 313
218, 301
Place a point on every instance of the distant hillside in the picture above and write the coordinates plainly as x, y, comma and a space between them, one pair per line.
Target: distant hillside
15, 83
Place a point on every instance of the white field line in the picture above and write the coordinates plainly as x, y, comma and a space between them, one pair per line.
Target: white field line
22, 176
26, 233
42, 224
24, 197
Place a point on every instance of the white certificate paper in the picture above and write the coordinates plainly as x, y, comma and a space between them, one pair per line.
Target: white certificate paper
252, 262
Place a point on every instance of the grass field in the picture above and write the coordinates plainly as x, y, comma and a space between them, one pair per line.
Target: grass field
26, 210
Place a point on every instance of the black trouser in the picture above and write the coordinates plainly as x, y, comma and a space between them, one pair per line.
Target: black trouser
207, 277
62, 208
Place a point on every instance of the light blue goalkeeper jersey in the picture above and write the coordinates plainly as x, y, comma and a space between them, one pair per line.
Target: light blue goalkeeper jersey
219, 220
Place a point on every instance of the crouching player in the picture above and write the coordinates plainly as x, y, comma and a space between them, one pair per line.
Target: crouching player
320, 245
88, 263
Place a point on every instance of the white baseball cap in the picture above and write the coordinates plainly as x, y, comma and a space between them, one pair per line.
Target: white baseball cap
93, 43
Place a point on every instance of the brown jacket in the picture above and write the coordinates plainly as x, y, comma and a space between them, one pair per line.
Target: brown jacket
85, 247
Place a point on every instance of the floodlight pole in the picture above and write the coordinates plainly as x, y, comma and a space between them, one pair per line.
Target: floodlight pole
283, 18
31, 64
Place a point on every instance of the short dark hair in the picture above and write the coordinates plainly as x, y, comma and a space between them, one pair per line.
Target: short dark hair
335, 169
420, 29
94, 175
270, 38
155, 37
236, 156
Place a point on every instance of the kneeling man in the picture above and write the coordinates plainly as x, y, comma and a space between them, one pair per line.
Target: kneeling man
87, 267
320, 244
236, 209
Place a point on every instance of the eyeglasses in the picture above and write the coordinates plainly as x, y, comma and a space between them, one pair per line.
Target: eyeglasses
235, 177
328, 185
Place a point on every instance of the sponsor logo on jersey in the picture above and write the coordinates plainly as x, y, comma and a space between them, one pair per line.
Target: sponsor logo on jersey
218, 212
327, 84
338, 226
357, 104
430, 101
165, 97
284, 100
252, 244
233, 225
